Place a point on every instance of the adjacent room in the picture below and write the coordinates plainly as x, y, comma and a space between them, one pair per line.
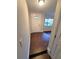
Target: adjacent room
41, 16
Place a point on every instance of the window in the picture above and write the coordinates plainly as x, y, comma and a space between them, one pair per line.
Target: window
48, 22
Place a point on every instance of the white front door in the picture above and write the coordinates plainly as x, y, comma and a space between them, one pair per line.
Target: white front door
37, 22
56, 22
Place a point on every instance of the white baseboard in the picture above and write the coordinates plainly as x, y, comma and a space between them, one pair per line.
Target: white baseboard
48, 50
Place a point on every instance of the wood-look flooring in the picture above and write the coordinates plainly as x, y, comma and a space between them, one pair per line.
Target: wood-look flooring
43, 56
39, 43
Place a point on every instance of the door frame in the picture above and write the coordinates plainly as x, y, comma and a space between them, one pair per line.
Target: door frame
56, 21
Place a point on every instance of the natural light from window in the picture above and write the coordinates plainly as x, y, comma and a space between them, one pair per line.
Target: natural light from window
48, 22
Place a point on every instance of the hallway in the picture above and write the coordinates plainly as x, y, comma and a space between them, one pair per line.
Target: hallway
39, 43
36, 24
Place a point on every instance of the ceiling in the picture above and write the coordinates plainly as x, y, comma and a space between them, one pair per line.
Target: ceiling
48, 9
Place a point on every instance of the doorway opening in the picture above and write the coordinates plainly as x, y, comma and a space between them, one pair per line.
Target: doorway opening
40, 39
41, 16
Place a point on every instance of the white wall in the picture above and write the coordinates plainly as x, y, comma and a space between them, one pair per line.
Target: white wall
47, 28
36, 25
23, 30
